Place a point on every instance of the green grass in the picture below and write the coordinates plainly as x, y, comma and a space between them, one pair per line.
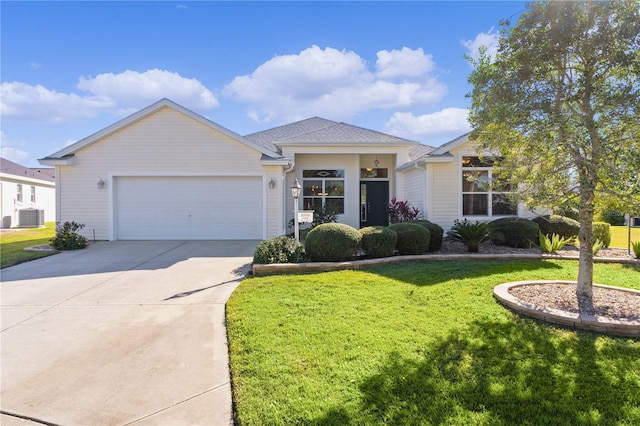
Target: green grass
423, 343
620, 236
13, 243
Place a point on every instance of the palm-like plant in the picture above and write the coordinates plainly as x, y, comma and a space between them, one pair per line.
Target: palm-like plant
471, 234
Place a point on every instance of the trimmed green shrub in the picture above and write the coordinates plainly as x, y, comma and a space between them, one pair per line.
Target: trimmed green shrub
611, 217
282, 249
332, 242
378, 241
436, 231
554, 224
412, 238
602, 233
67, 237
514, 232
471, 234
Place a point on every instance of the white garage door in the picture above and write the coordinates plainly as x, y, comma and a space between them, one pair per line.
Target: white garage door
188, 208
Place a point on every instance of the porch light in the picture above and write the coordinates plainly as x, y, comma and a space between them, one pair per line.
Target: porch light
295, 193
101, 183
272, 184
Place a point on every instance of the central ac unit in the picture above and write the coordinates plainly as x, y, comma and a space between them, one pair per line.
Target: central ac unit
30, 218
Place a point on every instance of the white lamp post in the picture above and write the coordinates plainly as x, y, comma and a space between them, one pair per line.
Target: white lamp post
295, 192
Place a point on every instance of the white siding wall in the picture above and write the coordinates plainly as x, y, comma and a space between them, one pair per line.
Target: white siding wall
414, 192
45, 200
164, 143
444, 194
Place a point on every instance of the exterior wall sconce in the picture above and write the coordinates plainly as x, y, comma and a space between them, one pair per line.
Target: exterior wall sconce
272, 184
101, 184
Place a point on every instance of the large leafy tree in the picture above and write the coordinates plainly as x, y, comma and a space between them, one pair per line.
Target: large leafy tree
559, 104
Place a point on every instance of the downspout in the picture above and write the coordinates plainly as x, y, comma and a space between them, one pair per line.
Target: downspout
284, 195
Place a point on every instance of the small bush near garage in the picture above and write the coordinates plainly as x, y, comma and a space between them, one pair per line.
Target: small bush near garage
514, 232
282, 249
412, 238
67, 237
602, 233
332, 242
378, 241
561, 225
436, 234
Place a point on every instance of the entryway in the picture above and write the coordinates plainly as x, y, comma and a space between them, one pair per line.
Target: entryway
374, 199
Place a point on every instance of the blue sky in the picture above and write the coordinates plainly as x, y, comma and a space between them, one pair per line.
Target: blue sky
69, 69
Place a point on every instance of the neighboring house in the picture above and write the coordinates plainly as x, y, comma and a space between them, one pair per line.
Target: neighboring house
23, 190
166, 172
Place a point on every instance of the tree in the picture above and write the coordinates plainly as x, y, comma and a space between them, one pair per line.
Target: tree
559, 105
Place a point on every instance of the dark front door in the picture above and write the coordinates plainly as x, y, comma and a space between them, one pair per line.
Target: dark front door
374, 199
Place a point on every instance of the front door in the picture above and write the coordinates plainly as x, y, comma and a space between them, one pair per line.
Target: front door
374, 200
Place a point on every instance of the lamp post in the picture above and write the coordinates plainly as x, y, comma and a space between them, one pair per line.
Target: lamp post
295, 193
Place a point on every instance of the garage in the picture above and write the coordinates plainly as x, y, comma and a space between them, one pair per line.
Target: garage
188, 208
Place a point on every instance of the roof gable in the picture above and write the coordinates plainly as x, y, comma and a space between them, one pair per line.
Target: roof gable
318, 130
145, 112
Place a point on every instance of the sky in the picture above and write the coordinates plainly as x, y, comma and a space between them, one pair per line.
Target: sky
69, 69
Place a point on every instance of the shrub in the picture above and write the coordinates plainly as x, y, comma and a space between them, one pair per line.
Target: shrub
514, 232
279, 250
401, 211
602, 233
332, 242
412, 238
436, 231
635, 245
471, 234
551, 244
378, 241
611, 217
67, 237
597, 245
554, 224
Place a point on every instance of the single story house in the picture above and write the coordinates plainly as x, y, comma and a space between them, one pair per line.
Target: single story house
166, 172
27, 196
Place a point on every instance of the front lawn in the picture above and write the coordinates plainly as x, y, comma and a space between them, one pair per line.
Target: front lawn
13, 243
620, 236
423, 343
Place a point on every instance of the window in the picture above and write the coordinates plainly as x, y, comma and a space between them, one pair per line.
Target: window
323, 188
483, 194
19, 193
33, 194
371, 173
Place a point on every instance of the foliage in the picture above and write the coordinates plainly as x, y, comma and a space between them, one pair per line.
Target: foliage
514, 232
378, 241
67, 237
282, 249
471, 234
12, 244
323, 214
602, 233
436, 232
635, 246
559, 104
332, 242
597, 245
552, 244
554, 224
423, 343
412, 238
401, 211
611, 217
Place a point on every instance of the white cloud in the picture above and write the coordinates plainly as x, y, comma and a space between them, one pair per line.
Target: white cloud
449, 121
403, 63
9, 152
106, 93
489, 40
335, 84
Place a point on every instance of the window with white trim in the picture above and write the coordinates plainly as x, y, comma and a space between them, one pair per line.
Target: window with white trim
33, 194
19, 193
483, 194
323, 188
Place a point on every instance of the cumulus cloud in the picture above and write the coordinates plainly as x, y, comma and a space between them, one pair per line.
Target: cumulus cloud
335, 84
9, 152
118, 94
489, 40
447, 122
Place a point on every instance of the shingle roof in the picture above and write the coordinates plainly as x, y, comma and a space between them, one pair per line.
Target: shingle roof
320, 130
11, 168
419, 151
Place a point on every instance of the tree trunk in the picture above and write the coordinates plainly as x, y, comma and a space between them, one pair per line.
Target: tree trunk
584, 290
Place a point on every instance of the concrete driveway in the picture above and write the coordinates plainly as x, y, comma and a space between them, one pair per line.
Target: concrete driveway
120, 333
